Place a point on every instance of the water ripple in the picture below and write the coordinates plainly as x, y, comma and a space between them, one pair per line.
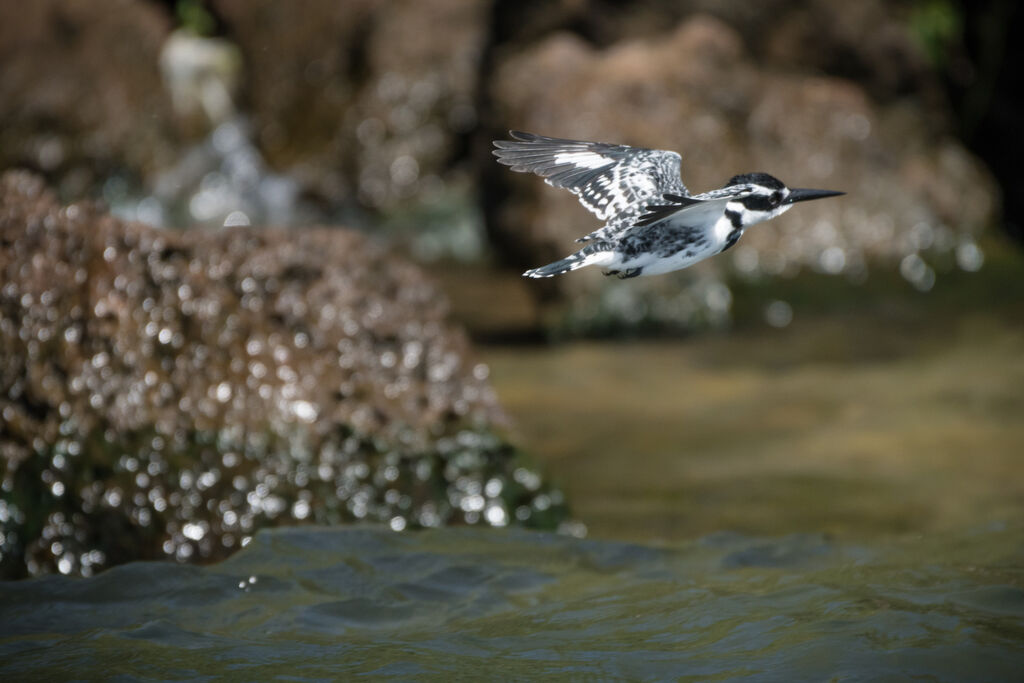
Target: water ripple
311, 603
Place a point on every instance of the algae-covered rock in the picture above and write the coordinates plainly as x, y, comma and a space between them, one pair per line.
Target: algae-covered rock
166, 394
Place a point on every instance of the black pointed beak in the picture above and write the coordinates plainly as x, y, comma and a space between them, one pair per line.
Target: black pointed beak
803, 195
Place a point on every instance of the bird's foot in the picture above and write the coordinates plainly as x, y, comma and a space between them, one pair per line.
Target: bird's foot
625, 274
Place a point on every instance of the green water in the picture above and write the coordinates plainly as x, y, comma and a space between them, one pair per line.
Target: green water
318, 604
858, 425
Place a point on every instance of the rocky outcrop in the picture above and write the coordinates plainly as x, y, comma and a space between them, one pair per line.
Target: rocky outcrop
166, 394
871, 42
80, 90
364, 100
697, 91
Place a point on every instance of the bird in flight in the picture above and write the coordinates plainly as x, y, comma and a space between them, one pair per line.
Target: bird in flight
652, 224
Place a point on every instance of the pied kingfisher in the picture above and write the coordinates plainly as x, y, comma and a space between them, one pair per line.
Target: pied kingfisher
652, 224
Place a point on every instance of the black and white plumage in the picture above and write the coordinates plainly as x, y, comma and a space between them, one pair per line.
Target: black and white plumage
652, 224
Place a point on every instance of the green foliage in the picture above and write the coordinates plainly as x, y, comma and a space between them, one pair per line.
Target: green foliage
194, 17
936, 24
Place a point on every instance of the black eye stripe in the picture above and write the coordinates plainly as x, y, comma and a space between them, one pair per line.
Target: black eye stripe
758, 203
762, 202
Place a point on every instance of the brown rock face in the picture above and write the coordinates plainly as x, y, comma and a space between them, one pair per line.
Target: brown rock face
80, 91
870, 42
165, 394
366, 99
696, 91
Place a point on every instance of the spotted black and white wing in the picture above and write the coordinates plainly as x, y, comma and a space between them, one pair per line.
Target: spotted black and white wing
615, 182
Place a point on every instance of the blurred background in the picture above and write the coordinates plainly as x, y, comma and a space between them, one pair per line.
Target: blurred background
259, 267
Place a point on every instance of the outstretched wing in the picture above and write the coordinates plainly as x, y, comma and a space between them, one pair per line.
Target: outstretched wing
615, 182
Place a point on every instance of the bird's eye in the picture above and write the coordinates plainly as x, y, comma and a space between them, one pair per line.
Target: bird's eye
776, 198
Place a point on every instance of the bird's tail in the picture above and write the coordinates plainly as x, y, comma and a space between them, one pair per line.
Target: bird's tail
592, 253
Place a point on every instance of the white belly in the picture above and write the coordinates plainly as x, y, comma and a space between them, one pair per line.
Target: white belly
653, 265
716, 237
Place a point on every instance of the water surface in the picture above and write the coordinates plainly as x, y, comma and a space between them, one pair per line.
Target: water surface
862, 426
325, 604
